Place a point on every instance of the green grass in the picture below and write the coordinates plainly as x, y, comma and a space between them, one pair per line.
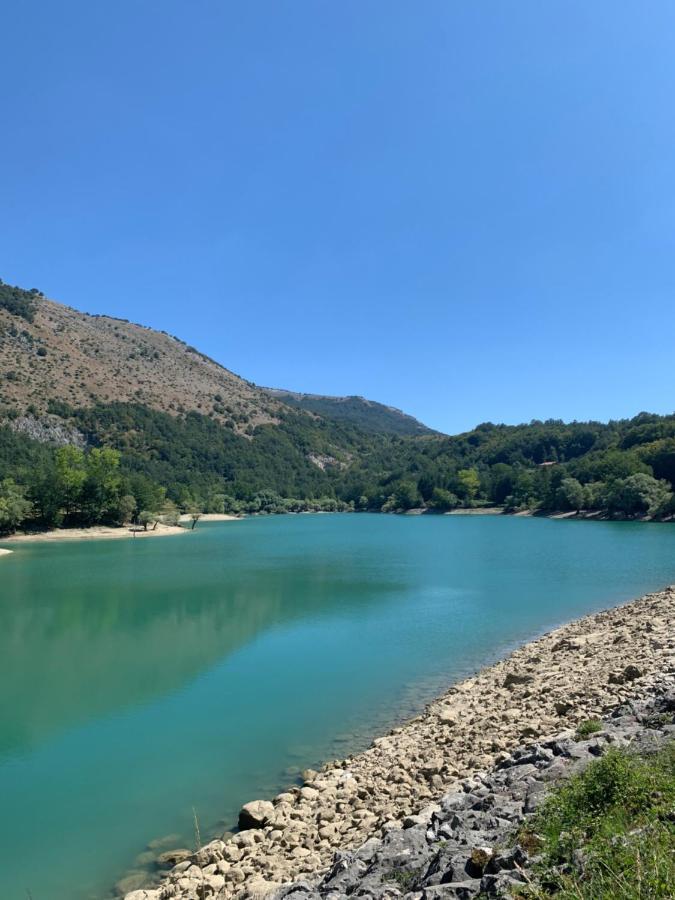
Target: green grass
609, 834
404, 878
588, 727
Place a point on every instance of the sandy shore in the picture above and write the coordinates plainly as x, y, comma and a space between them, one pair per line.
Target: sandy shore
103, 532
98, 532
576, 672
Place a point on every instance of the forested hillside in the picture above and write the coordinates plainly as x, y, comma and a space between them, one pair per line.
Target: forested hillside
79, 444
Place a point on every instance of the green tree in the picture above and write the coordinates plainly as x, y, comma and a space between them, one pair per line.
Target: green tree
444, 500
468, 484
406, 495
639, 494
14, 508
570, 494
70, 477
126, 508
145, 517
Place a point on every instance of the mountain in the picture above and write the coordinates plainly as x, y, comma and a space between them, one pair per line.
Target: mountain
366, 414
50, 353
101, 420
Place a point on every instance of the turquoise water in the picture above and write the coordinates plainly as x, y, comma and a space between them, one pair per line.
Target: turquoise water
140, 680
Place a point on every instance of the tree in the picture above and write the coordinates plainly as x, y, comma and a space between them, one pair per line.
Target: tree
639, 494
444, 500
14, 508
145, 517
101, 491
570, 494
195, 516
126, 508
468, 484
406, 495
70, 476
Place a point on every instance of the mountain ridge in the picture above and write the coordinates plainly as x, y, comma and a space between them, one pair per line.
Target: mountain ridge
51, 353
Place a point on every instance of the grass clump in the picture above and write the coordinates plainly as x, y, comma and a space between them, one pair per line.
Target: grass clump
404, 878
587, 728
609, 833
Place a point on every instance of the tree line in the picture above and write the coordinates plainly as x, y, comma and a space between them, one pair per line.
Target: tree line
140, 465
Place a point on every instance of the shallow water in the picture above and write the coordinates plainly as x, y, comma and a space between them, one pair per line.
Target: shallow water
143, 680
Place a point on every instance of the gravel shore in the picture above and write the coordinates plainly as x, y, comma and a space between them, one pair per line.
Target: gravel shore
579, 671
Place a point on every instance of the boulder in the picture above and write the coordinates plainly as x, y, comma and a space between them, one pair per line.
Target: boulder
256, 814
513, 679
171, 858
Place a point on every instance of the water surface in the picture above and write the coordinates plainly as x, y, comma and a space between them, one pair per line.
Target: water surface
142, 680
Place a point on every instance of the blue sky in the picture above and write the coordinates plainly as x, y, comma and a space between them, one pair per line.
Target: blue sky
465, 209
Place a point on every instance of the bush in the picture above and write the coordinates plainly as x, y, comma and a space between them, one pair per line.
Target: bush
588, 727
609, 833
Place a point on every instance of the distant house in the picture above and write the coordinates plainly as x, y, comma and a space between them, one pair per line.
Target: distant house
541, 465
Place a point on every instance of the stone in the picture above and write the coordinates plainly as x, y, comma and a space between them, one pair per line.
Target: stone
630, 673
512, 680
171, 858
256, 814
259, 887
131, 882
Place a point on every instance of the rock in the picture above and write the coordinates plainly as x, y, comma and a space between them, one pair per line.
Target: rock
630, 673
171, 858
131, 882
259, 887
512, 679
256, 814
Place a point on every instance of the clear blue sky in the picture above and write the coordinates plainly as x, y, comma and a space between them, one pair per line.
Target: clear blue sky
465, 209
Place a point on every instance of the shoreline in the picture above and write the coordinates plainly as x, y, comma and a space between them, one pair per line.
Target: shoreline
96, 532
105, 532
576, 671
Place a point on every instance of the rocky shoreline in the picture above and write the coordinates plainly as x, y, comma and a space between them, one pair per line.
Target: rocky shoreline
579, 671
472, 842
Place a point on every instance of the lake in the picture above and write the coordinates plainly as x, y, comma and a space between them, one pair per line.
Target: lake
144, 682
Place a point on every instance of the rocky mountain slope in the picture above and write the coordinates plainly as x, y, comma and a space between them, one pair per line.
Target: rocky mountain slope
366, 414
50, 353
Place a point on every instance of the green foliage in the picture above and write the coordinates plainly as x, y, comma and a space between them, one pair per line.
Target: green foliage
14, 508
639, 494
443, 500
192, 461
571, 494
609, 833
18, 302
145, 518
588, 727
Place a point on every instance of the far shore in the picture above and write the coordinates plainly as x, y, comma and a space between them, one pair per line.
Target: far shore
105, 532
96, 532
